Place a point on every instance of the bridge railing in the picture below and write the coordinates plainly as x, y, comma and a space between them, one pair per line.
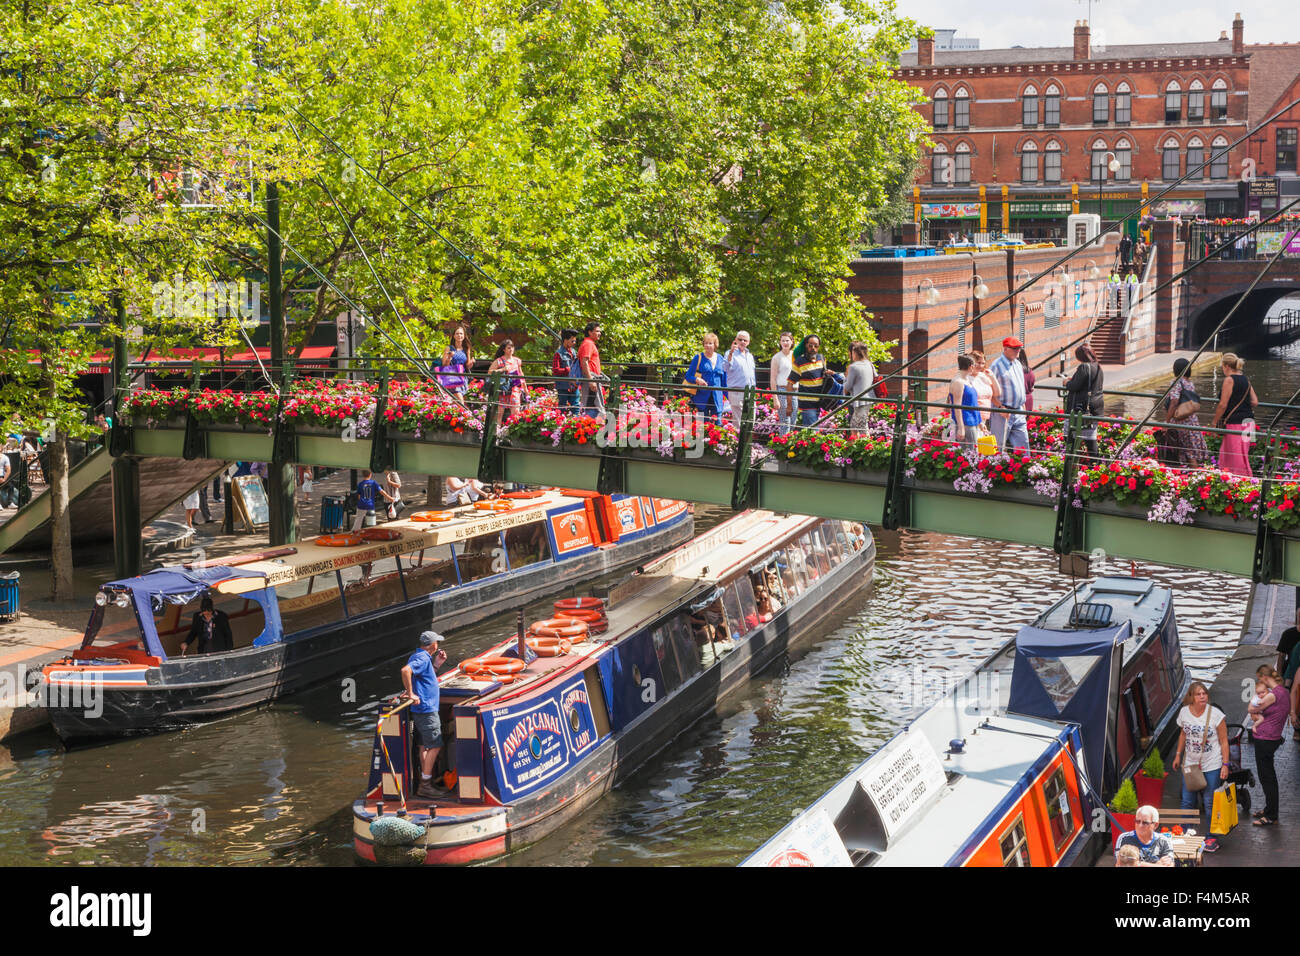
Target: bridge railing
1202, 237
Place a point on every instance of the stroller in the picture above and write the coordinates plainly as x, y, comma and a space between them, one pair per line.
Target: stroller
1234, 772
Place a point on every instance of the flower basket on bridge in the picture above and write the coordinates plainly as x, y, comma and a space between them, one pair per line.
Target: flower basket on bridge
156, 408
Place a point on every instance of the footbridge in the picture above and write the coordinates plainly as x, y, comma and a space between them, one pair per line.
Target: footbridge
885, 482
1217, 284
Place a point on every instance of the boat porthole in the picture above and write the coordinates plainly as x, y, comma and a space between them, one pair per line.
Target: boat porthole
575, 719
535, 746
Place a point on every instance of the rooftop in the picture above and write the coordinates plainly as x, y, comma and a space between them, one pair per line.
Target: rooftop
1065, 54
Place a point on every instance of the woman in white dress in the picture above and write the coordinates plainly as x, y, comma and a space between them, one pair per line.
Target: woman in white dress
781, 362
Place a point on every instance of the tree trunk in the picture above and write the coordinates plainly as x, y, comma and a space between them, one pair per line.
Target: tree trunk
62, 586
433, 493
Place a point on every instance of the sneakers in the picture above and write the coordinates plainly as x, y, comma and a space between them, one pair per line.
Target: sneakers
1211, 844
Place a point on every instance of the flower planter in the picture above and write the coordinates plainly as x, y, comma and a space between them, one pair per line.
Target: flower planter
145, 421
798, 468
1127, 821
1150, 790
1199, 520
474, 438
236, 427
590, 448
327, 431
866, 477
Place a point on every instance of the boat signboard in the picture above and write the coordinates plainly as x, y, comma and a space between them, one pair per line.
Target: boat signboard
902, 780
810, 841
535, 742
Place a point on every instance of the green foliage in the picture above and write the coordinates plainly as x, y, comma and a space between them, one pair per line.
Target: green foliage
1154, 766
1125, 799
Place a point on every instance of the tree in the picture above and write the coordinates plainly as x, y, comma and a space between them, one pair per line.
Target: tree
110, 111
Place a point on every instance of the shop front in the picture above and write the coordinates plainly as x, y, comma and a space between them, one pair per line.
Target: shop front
1119, 209
945, 222
1039, 220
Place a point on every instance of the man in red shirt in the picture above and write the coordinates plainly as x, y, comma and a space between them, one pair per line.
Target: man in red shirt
589, 361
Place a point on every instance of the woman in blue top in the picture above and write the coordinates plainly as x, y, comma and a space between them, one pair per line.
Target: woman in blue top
964, 402
707, 376
456, 360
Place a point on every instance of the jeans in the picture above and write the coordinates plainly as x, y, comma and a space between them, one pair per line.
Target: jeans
1264, 750
808, 416
1205, 798
1014, 436
593, 403
567, 398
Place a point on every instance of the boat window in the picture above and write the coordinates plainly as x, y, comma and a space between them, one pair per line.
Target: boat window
736, 617
712, 635
1015, 845
857, 536
116, 626
428, 571
481, 557
689, 653
834, 548
173, 621
766, 603
667, 656
320, 605
821, 551
527, 544
1061, 676
744, 592
793, 579
810, 568
1059, 818
372, 586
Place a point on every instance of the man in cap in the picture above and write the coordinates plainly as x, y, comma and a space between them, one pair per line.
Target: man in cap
1008, 427
420, 678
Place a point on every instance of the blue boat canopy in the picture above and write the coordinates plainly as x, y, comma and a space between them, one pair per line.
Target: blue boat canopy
179, 585
1073, 676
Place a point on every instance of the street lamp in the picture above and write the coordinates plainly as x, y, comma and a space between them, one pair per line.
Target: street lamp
929, 294
1064, 276
1114, 164
981, 290
1093, 271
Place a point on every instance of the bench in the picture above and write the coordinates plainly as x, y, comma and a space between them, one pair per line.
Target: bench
1188, 850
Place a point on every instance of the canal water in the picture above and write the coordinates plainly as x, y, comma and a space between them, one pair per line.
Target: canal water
275, 786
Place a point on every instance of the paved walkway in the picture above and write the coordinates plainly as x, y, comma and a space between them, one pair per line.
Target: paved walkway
47, 630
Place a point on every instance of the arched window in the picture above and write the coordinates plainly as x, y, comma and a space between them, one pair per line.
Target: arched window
1052, 162
1195, 102
1100, 159
962, 168
1029, 162
1196, 158
961, 108
1123, 105
1123, 153
1173, 103
1169, 165
1052, 105
940, 117
1100, 105
941, 166
1029, 106
1219, 158
1219, 100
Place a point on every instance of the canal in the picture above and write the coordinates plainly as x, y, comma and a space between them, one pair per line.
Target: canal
275, 786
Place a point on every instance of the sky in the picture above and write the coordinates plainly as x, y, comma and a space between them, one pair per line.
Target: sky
1010, 23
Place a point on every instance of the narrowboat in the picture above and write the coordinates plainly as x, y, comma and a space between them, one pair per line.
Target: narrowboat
1012, 766
542, 725
302, 614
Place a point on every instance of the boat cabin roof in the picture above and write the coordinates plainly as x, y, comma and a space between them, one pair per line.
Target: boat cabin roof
312, 558
1138, 600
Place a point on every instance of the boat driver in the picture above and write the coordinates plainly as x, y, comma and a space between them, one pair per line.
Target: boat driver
211, 628
421, 681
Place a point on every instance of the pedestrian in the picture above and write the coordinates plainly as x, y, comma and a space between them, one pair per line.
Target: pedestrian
859, 386
393, 492
738, 364
505, 361
807, 376
463, 491
456, 360
420, 678
191, 506
305, 481
1030, 378
1152, 847
210, 628
369, 492
1202, 742
1179, 447
778, 379
1126, 250
985, 386
962, 401
1236, 413
565, 371
593, 404
8, 481
1273, 711
1287, 658
260, 469
1009, 425
203, 504
1084, 394
706, 376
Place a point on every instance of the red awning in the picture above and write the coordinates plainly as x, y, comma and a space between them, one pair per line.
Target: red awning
99, 362
185, 355
313, 356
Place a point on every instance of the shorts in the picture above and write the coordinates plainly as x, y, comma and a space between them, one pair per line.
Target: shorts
428, 729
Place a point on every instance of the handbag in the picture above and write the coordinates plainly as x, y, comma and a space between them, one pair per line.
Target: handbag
1193, 778
698, 378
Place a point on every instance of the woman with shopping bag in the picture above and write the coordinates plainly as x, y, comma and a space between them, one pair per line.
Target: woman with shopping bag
1202, 742
1274, 708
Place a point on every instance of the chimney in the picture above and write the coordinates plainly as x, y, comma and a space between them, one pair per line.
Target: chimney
1082, 40
1223, 34
1238, 36
925, 51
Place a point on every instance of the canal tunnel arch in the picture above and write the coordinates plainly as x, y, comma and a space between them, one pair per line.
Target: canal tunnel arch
1245, 330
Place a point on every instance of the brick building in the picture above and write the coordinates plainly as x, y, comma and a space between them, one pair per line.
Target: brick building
1026, 136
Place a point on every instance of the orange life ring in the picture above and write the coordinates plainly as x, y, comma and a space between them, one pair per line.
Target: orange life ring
597, 624
496, 505
340, 540
432, 516
379, 534
559, 627
522, 495
579, 614
549, 646
495, 666
579, 604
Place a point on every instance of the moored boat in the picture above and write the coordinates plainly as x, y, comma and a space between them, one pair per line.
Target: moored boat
531, 743
302, 614
1010, 768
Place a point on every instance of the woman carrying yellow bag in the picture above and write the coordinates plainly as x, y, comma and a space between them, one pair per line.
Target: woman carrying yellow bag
1202, 741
